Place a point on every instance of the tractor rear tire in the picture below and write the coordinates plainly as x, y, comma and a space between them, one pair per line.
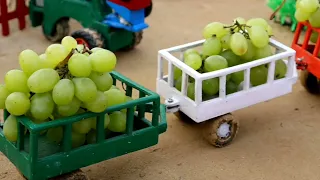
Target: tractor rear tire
310, 82
148, 10
136, 40
89, 37
61, 30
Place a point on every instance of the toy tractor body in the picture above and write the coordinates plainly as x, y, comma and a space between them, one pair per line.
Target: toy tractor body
111, 24
284, 12
308, 60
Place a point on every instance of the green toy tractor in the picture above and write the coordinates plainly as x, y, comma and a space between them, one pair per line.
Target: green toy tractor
110, 24
284, 11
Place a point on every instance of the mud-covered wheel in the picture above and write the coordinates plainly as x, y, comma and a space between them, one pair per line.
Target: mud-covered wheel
61, 30
221, 130
88, 37
310, 82
75, 175
183, 117
136, 40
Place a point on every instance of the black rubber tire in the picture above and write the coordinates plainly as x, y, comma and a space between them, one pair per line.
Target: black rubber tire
148, 10
210, 130
91, 37
136, 40
75, 175
62, 29
310, 82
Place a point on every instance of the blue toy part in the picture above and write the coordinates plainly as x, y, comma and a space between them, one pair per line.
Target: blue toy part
134, 18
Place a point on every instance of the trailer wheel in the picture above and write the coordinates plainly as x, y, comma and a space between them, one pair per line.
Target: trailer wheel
310, 82
88, 37
75, 175
136, 40
61, 30
221, 130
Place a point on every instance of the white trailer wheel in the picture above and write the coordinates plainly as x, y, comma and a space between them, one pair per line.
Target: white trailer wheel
310, 82
221, 130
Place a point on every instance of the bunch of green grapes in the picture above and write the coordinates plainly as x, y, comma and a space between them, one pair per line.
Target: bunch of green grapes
230, 45
66, 80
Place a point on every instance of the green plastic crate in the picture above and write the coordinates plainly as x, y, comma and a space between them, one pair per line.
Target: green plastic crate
37, 159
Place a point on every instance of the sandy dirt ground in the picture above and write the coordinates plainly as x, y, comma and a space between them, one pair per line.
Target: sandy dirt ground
278, 139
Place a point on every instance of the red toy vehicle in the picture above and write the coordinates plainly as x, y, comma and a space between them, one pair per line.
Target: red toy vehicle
308, 60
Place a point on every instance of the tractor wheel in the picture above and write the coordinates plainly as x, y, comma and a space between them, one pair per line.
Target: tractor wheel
310, 82
90, 38
61, 30
221, 130
148, 10
136, 40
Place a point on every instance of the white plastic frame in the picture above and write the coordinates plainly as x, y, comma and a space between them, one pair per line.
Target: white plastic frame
199, 110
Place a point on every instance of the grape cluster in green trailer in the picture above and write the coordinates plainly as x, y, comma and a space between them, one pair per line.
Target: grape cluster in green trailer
66, 80
231, 45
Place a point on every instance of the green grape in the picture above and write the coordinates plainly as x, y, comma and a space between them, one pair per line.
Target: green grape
10, 128
29, 61
309, 6
258, 22
194, 61
263, 52
103, 81
314, 37
225, 41
191, 91
43, 80
231, 87
103, 61
269, 30
189, 51
258, 75
212, 46
237, 77
214, 63
178, 83
69, 43
238, 44
80, 48
4, 93
114, 87
301, 16
228, 77
17, 103
85, 89
16, 81
77, 139
210, 86
259, 36
214, 28
55, 134
232, 58
42, 106
240, 20
280, 69
56, 53
177, 73
99, 104
128, 98
91, 137
83, 126
115, 97
44, 63
106, 122
39, 122
314, 19
63, 92
249, 55
118, 122
69, 109
79, 65
96, 49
